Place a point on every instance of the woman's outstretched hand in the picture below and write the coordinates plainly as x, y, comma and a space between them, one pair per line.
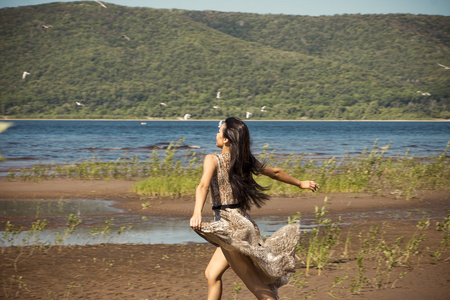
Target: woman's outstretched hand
310, 185
196, 221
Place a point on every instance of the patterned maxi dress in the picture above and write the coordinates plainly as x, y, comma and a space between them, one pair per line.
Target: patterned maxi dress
233, 229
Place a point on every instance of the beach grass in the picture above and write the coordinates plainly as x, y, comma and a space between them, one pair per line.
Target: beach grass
173, 173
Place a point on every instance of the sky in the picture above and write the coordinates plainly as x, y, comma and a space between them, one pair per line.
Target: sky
287, 7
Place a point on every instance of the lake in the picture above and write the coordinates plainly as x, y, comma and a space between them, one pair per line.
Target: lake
30, 142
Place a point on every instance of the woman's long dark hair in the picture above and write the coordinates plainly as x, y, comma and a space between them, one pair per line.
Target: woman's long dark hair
243, 165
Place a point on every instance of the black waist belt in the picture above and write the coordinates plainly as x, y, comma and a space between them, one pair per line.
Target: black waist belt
237, 205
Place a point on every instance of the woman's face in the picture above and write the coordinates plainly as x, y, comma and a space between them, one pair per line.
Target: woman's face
219, 136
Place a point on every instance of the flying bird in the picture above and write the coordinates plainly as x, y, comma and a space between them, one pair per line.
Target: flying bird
162, 104
424, 93
216, 106
187, 116
25, 74
248, 114
125, 37
47, 26
263, 109
218, 95
100, 3
81, 103
445, 67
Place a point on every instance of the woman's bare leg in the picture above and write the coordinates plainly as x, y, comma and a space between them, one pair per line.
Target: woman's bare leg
216, 267
244, 268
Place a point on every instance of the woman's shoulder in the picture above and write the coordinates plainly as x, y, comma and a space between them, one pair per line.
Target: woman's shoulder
211, 158
216, 157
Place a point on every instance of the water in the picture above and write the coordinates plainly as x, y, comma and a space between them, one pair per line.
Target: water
30, 142
94, 214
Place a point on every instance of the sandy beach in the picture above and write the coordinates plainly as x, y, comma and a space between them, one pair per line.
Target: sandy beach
164, 271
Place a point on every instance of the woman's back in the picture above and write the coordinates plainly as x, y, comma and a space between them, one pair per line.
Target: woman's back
220, 187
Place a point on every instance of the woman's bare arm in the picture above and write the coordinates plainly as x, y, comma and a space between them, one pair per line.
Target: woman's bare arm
280, 175
209, 168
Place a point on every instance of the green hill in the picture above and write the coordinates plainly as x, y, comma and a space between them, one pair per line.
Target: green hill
123, 62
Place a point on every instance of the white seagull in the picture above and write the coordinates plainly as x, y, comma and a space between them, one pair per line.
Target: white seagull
125, 37
81, 103
25, 74
100, 3
216, 106
445, 67
248, 114
187, 116
263, 109
218, 95
46, 26
424, 93
162, 104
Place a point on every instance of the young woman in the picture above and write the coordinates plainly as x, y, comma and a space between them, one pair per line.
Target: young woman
263, 265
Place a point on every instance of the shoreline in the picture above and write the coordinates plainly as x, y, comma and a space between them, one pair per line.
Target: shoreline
131, 203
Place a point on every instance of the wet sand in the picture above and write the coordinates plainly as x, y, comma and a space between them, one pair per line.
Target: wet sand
176, 271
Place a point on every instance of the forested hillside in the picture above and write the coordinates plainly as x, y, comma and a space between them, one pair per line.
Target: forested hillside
122, 62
